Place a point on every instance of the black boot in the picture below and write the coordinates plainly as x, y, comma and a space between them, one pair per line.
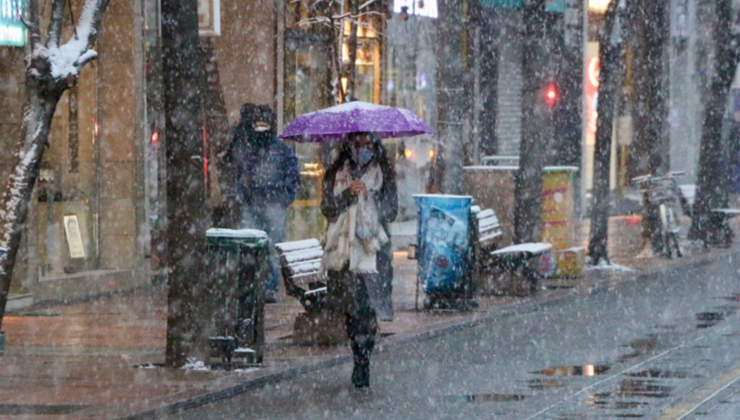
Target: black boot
361, 372
362, 347
361, 330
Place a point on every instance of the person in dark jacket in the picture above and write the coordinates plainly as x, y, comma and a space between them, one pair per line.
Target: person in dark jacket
359, 200
265, 176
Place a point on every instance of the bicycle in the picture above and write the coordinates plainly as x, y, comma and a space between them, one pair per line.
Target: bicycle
662, 191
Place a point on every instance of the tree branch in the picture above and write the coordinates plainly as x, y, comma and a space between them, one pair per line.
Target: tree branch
34, 28
54, 32
95, 8
367, 3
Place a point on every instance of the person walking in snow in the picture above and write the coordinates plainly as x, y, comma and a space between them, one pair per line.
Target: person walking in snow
359, 198
266, 177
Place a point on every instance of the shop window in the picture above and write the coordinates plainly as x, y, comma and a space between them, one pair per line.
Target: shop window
67, 210
307, 87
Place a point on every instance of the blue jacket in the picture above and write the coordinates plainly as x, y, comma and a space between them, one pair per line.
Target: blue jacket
264, 175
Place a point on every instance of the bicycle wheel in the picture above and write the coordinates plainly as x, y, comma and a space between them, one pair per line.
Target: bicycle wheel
665, 238
673, 228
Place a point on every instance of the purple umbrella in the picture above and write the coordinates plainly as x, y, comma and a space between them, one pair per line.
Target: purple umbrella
333, 124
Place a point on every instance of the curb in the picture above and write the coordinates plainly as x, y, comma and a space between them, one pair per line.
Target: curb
599, 286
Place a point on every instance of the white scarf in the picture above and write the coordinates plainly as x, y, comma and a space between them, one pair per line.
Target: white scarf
357, 235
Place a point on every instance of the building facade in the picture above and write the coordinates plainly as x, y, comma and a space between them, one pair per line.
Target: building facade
97, 213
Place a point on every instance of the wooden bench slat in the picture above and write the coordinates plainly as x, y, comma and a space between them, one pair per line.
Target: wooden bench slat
491, 221
306, 278
490, 237
484, 233
305, 267
297, 245
318, 291
303, 255
487, 235
534, 248
485, 214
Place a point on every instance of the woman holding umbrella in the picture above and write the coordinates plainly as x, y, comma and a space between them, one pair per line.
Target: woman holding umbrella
360, 196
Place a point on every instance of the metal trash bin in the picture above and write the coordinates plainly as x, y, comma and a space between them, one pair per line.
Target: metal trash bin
443, 250
237, 265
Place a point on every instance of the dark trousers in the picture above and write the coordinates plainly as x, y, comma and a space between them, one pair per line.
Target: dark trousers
362, 328
348, 294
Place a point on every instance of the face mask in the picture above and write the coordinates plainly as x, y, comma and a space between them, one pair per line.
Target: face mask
261, 138
365, 155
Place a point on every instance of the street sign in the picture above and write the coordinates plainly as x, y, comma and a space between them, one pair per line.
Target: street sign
12, 30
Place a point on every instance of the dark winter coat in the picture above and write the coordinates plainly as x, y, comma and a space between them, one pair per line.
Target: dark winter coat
264, 173
386, 199
349, 292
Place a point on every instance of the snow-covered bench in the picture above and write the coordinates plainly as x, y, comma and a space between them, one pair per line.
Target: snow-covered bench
522, 260
299, 265
720, 217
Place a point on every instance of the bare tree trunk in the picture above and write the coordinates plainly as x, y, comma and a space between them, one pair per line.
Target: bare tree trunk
36, 127
352, 49
649, 151
648, 32
46, 81
709, 193
186, 222
535, 116
336, 65
569, 112
450, 97
608, 81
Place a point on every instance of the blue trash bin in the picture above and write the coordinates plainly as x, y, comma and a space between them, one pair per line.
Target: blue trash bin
442, 246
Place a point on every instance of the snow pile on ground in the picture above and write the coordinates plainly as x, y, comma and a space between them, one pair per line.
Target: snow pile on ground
147, 366
603, 265
247, 370
194, 364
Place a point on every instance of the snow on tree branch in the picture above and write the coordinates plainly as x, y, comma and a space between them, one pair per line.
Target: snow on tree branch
65, 61
50, 70
54, 33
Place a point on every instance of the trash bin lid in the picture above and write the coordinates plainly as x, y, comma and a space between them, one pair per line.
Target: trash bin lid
243, 237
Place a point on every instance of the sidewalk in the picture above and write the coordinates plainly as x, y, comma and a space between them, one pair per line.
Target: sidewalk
78, 361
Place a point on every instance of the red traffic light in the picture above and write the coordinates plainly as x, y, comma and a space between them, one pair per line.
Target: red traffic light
551, 94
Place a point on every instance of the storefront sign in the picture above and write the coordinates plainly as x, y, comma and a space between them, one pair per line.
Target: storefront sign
12, 30
74, 238
592, 98
209, 17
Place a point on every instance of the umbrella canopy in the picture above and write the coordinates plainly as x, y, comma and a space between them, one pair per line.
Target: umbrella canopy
335, 123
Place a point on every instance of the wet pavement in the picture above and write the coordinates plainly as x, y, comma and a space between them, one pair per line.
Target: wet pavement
595, 358
78, 360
